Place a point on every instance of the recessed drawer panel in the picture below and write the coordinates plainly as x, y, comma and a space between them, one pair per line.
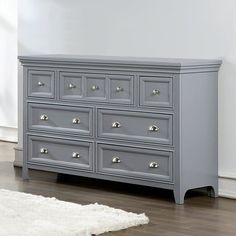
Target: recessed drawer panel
59, 152
155, 91
137, 126
71, 85
121, 89
71, 120
144, 163
41, 83
95, 87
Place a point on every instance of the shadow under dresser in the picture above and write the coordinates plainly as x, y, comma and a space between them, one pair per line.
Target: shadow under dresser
144, 121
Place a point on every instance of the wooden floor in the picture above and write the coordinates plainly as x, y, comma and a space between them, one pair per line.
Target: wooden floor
199, 216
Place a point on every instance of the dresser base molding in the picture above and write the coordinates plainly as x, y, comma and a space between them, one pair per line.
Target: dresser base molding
227, 185
99, 176
179, 196
8, 134
143, 121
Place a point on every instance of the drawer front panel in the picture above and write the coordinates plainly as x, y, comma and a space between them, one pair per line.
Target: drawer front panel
95, 87
59, 152
135, 162
71, 85
71, 120
156, 91
136, 126
121, 89
41, 83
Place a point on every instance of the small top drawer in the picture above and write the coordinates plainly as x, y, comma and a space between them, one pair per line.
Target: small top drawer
62, 119
156, 91
95, 87
71, 85
136, 126
41, 83
121, 89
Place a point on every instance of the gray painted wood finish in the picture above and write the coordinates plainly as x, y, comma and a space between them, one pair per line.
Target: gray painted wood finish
61, 119
135, 126
60, 152
147, 121
41, 83
135, 162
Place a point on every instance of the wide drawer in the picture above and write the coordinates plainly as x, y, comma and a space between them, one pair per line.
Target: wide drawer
62, 119
135, 162
60, 152
96, 87
41, 83
137, 126
156, 91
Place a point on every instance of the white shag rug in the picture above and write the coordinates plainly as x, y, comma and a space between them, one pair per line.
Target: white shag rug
24, 214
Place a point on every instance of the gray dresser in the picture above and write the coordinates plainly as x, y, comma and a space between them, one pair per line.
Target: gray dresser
145, 121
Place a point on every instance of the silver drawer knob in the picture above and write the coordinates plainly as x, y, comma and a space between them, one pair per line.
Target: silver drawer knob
153, 165
119, 89
156, 92
43, 150
40, 84
116, 160
153, 128
76, 121
94, 88
71, 86
116, 124
75, 155
43, 117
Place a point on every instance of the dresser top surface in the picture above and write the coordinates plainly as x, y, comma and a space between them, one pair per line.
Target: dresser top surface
175, 62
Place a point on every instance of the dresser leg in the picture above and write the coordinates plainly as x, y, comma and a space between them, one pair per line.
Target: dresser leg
179, 197
25, 173
212, 191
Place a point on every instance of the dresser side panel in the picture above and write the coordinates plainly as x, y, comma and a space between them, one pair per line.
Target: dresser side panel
199, 130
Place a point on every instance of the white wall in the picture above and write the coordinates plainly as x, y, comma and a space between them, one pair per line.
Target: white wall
8, 70
155, 28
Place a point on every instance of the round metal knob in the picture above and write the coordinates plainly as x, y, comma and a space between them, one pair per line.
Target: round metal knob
156, 92
116, 160
76, 121
43, 117
43, 150
75, 155
94, 88
153, 128
40, 83
71, 86
116, 124
119, 89
153, 165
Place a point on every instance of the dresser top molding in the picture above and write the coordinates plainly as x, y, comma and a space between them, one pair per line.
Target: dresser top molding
174, 65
